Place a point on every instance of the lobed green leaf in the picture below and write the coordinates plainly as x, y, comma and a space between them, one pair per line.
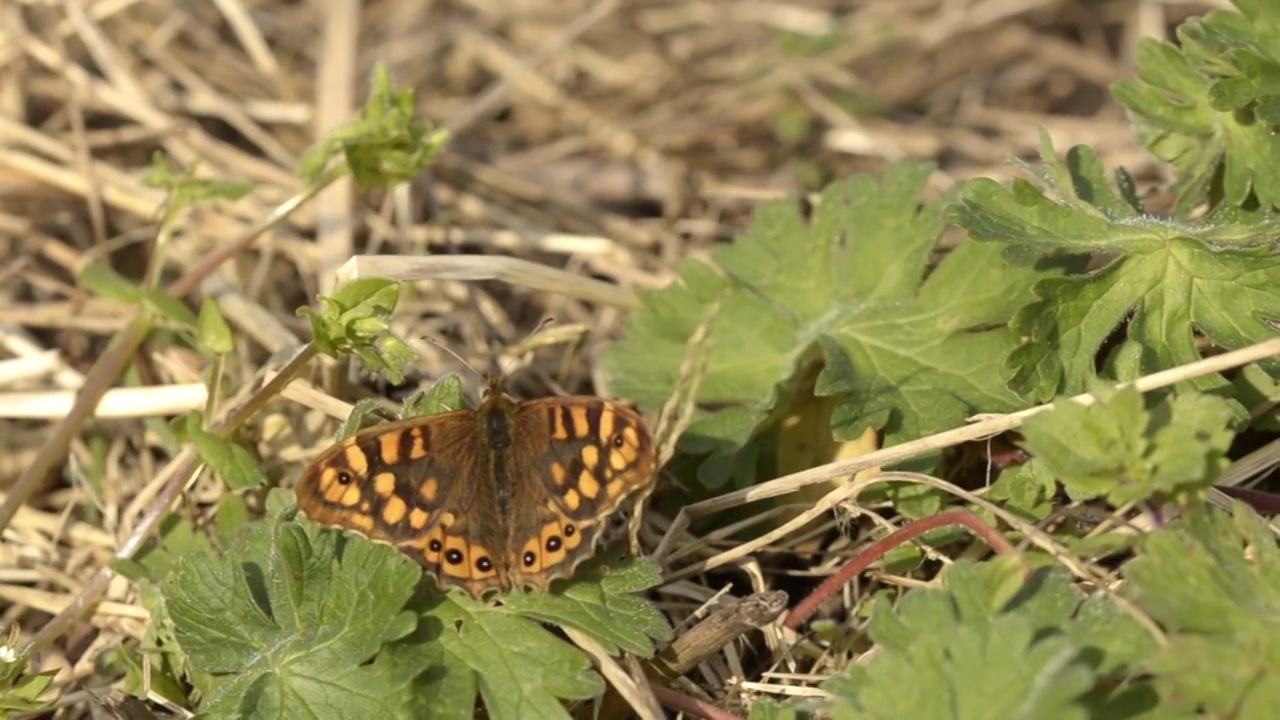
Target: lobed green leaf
283, 624
1120, 449
1209, 105
988, 645
1214, 582
1168, 279
905, 350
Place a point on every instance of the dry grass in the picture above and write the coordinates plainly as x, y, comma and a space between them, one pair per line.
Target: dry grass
603, 140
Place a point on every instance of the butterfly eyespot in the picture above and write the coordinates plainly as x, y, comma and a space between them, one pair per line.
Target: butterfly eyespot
618, 440
484, 564
344, 478
529, 559
553, 544
569, 530
453, 557
435, 545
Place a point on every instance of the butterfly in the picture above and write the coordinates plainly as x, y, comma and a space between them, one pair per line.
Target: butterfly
508, 495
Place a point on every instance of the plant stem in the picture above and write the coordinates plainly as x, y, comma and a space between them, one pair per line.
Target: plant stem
96, 383
832, 585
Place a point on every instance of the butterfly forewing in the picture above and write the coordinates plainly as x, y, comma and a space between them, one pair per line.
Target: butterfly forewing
399, 484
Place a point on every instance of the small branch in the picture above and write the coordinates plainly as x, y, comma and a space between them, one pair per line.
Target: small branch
722, 627
989, 427
832, 585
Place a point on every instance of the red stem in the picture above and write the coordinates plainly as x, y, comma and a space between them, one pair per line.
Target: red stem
807, 607
1264, 502
690, 705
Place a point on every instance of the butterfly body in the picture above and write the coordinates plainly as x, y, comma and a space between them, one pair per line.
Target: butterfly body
511, 495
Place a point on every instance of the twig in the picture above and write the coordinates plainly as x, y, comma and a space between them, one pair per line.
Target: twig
723, 626
96, 382
116, 402
523, 273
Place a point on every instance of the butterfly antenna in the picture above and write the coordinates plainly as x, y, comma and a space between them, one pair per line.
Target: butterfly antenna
459, 358
523, 345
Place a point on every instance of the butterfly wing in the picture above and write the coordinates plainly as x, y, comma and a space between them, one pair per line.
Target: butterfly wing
418, 485
581, 457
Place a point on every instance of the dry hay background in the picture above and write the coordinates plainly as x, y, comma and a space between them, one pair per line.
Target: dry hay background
608, 138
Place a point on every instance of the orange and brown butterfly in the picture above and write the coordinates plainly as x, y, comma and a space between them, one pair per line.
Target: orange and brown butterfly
508, 495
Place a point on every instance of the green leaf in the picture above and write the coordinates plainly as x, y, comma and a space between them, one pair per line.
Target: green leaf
980, 590
766, 709
157, 557
1168, 279
1208, 105
443, 689
143, 673
22, 691
359, 417
1000, 670
165, 664
521, 669
1214, 582
212, 330
1120, 644
1259, 392
232, 517
846, 287
603, 606
103, 281
356, 320
463, 647
1027, 489
187, 191
1119, 449
504, 653
169, 308
1091, 449
231, 461
387, 145
28, 694
916, 501
443, 396
988, 645
283, 625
